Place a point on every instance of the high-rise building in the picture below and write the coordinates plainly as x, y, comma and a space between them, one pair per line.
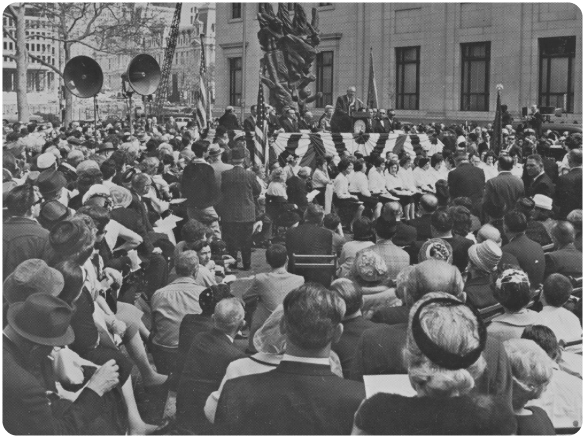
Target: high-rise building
432, 60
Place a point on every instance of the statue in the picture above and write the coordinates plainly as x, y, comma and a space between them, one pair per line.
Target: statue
289, 47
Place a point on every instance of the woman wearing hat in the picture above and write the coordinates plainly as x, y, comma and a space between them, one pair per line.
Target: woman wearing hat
484, 258
443, 355
543, 212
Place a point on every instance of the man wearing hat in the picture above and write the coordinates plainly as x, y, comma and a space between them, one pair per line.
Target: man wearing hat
239, 189
46, 161
32, 405
52, 184
229, 120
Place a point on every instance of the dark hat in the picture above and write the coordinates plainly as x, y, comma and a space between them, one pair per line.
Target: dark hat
213, 295
105, 147
50, 182
42, 319
238, 154
30, 277
52, 212
74, 140
68, 237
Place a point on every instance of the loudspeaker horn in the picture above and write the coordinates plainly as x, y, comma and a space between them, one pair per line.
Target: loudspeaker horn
83, 76
143, 74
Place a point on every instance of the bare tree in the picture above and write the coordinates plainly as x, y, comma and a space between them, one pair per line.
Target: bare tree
114, 28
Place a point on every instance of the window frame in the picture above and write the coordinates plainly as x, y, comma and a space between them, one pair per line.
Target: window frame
233, 96
545, 95
236, 7
465, 60
321, 102
400, 67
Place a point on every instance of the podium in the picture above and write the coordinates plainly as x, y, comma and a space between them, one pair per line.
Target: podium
359, 122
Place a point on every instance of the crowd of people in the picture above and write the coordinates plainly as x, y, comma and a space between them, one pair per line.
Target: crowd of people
454, 265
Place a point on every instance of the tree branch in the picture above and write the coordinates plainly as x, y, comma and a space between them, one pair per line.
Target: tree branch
76, 19
11, 11
9, 35
46, 64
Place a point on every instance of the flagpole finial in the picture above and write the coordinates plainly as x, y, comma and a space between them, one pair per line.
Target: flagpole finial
499, 87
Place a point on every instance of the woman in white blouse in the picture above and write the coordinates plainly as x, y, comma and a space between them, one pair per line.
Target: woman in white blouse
395, 186
422, 176
408, 182
321, 179
349, 207
377, 182
489, 169
358, 185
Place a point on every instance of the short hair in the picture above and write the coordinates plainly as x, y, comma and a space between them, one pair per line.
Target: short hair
198, 245
404, 160
385, 229
193, 230
187, 263
531, 368
331, 221
139, 181
20, 200
100, 215
108, 169
377, 161
463, 201
228, 315
363, 229
557, 289
512, 290
515, 221
149, 165
436, 159
442, 221
429, 203
200, 147
276, 255
311, 315
461, 220
350, 293
72, 280
505, 162
358, 166
545, 338
392, 211
314, 214
343, 164
563, 232
576, 218
536, 158
429, 276
575, 157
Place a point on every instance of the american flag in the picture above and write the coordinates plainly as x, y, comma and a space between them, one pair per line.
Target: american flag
201, 94
261, 134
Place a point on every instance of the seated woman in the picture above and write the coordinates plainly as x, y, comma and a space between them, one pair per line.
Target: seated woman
513, 292
531, 372
363, 236
358, 186
409, 183
443, 355
422, 176
276, 197
348, 205
321, 179
484, 258
377, 182
396, 187
562, 399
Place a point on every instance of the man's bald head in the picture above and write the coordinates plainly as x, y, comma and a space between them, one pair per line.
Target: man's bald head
429, 276
392, 211
228, 315
428, 203
563, 233
489, 232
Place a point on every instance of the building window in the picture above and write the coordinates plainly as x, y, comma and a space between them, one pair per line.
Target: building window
50, 80
475, 76
235, 81
35, 81
557, 72
325, 78
407, 77
8, 79
325, 4
236, 11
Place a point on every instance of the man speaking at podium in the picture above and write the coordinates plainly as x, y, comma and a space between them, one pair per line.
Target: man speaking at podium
345, 106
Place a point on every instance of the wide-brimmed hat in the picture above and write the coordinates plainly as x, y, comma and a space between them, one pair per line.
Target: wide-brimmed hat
50, 182
53, 212
42, 319
69, 236
542, 201
30, 277
46, 160
215, 150
485, 255
121, 197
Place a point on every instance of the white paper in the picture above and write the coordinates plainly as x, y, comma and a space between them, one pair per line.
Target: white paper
389, 384
328, 198
177, 201
311, 196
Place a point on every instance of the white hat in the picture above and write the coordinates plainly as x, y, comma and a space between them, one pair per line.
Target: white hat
46, 160
542, 201
95, 189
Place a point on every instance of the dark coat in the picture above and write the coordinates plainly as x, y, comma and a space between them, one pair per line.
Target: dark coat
140, 208
239, 188
249, 124
567, 261
504, 187
379, 351
467, 180
530, 257
296, 190
570, 192
542, 184
198, 185
289, 125
536, 123
23, 239
230, 121
423, 226
480, 292
191, 326
383, 126
209, 356
460, 246
405, 234
309, 239
352, 332
294, 399
342, 104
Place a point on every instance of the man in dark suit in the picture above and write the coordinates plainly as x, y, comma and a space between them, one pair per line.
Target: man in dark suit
229, 120
539, 182
250, 121
405, 234
310, 238
565, 259
205, 365
354, 324
296, 189
344, 107
536, 121
529, 253
466, 180
239, 189
289, 121
427, 206
301, 396
570, 186
379, 350
307, 122
382, 124
442, 228
504, 188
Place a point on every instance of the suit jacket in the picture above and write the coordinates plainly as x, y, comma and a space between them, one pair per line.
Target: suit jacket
309, 239
30, 405
570, 192
423, 226
504, 187
205, 365
229, 121
352, 332
198, 185
296, 190
379, 351
191, 326
543, 185
138, 206
383, 125
467, 180
289, 125
239, 188
460, 245
405, 234
250, 124
530, 257
567, 261
294, 399
23, 239
342, 104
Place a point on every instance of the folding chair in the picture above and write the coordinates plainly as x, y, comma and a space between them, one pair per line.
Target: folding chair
304, 262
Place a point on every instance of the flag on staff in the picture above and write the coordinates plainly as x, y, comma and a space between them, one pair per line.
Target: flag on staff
201, 93
261, 134
372, 101
497, 138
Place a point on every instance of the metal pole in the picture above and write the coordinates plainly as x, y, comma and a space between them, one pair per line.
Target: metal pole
243, 99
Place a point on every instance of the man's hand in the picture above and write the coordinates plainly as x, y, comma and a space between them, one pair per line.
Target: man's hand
105, 378
114, 276
257, 227
118, 327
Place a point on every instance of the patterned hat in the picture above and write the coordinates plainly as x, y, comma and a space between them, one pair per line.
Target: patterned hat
485, 255
437, 249
369, 266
